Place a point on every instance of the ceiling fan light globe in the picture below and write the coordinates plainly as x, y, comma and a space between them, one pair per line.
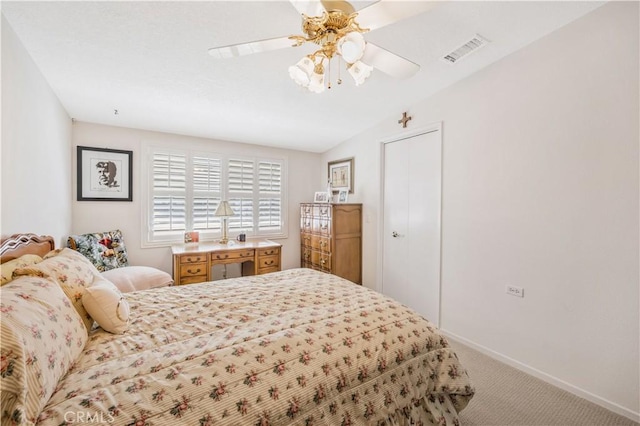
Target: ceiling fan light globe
298, 76
316, 85
302, 71
360, 72
351, 47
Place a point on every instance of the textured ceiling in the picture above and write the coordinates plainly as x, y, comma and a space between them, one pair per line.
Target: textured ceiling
149, 61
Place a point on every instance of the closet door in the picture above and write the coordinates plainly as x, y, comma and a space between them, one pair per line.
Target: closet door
411, 222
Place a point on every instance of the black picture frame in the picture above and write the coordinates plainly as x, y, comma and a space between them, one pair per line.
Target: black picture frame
104, 174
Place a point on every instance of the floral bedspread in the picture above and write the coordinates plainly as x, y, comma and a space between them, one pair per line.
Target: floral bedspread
292, 347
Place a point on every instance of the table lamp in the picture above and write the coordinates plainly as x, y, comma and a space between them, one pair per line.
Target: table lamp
224, 211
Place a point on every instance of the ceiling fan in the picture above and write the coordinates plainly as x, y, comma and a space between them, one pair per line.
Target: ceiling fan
336, 27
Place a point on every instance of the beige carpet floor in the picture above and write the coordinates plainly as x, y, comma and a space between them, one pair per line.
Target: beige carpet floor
506, 396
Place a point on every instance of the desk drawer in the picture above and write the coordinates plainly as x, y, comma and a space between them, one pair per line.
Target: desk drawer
193, 270
192, 280
193, 258
268, 262
232, 255
275, 251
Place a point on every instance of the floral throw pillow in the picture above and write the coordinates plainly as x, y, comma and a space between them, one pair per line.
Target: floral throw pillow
106, 250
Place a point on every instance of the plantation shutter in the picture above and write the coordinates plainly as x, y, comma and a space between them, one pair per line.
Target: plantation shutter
185, 188
169, 193
207, 192
240, 189
269, 196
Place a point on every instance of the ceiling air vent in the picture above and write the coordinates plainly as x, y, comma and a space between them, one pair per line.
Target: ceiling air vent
475, 43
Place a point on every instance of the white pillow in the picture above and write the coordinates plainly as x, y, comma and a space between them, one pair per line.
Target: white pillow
107, 306
133, 278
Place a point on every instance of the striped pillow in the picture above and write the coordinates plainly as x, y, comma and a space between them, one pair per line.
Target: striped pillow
72, 271
42, 336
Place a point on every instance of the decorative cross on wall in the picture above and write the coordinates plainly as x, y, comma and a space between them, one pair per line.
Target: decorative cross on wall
404, 120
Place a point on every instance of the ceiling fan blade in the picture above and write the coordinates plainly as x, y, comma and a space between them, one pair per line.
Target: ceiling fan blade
308, 7
251, 47
388, 63
387, 12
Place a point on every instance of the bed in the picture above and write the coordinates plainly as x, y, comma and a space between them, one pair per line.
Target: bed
292, 347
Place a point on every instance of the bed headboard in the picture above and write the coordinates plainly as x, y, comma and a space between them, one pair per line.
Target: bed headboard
20, 244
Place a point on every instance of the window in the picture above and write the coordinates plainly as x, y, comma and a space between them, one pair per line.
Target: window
186, 187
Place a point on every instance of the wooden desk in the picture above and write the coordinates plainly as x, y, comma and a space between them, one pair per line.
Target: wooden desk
192, 262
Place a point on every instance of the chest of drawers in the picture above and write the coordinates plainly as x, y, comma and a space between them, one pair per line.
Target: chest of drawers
331, 239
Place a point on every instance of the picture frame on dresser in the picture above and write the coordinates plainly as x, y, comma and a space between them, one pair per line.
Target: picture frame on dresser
341, 174
104, 174
321, 197
343, 196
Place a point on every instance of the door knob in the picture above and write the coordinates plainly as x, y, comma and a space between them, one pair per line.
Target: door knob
394, 234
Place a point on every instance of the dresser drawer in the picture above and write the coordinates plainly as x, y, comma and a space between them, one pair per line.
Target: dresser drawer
321, 243
306, 210
321, 226
306, 239
321, 260
193, 258
233, 255
306, 224
322, 210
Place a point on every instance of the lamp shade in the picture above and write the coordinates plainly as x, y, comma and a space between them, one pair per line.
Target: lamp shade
224, 209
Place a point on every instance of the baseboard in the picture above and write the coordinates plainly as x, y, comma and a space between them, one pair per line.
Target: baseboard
611, 406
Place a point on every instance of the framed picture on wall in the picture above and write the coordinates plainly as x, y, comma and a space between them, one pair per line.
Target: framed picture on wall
104, 174
341, 175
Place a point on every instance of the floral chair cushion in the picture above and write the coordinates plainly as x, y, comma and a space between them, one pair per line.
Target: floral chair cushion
38, 348
106, 250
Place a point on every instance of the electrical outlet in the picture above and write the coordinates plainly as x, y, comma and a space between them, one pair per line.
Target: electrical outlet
515, 291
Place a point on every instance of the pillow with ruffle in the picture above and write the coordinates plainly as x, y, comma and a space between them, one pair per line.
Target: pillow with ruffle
42, 336
107, 306
7, 268
72, 271
106, 250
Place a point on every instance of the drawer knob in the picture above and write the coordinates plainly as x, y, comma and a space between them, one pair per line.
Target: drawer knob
193, 272
268, 263
222, 257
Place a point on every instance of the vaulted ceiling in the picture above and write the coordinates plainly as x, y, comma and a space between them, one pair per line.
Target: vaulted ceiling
149, 61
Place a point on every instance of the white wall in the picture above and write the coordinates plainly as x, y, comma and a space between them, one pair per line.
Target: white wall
97, 216
36, 135
540, 190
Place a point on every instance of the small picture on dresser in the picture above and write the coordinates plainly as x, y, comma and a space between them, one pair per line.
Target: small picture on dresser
321, 197
343, 196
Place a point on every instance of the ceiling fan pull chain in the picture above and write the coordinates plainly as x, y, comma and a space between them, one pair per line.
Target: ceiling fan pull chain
329, 74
